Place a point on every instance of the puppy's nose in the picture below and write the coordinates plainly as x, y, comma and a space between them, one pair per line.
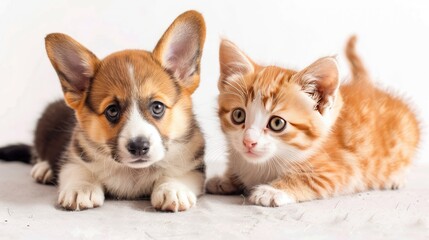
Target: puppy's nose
138, 146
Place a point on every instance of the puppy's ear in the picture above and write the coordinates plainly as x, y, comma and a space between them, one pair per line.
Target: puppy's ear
180, 48
74, 64
234, 63
321, 81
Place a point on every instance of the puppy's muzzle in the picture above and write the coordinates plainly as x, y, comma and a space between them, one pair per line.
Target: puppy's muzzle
138, 146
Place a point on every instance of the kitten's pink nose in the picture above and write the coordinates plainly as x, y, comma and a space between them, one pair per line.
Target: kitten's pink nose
249, 143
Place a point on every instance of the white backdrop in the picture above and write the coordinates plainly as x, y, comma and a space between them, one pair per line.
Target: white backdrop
393, 41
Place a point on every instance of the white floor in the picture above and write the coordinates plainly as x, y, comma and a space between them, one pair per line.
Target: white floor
28, 211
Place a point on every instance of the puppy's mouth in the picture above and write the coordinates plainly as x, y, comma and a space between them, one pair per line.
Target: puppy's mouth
139, 160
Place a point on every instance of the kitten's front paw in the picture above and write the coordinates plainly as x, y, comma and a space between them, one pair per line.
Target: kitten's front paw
220, 185
173, 197
267, 196
84, 198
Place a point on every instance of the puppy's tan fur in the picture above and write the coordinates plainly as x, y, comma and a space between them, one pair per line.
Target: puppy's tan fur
96, 160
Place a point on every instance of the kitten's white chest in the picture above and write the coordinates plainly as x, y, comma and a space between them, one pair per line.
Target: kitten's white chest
251, 174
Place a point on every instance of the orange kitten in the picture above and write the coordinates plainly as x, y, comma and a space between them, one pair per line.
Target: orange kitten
298, 136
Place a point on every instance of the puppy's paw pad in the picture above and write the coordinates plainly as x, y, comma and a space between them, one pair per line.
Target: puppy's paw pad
173, 197
220, 185
268, 196
85, 198
42, 172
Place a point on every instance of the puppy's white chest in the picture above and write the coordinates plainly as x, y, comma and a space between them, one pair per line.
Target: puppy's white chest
128, 183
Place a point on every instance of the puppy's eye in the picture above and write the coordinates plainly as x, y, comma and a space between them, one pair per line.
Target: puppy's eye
238, 116
157, 109
112, 113
277, 124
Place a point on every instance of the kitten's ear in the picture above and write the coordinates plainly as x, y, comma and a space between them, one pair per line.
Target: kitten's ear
233, 62
180, 48
74, 64
321, 81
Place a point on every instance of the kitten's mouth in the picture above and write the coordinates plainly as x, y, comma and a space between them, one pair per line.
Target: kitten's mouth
249, 153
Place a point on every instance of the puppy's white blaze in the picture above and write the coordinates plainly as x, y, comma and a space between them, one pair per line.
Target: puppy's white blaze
131, 72
137, 126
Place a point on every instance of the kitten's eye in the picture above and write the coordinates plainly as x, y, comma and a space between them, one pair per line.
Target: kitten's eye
238, 116
277, 124
157, 109
112, 113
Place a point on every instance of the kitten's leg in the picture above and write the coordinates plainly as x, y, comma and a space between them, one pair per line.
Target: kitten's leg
177, 193
292, 188
269, 196
78, 188
42, 172
396, 180
222, 185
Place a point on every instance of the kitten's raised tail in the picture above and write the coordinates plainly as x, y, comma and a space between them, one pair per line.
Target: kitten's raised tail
359, 72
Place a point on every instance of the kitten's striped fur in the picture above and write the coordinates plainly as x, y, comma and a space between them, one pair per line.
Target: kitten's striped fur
338, 139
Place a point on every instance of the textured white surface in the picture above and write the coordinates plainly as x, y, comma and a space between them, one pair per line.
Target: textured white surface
28, 211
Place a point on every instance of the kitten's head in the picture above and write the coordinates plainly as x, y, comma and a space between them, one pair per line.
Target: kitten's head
133, 103
271, 112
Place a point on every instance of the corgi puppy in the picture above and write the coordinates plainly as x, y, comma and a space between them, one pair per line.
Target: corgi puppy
126, 126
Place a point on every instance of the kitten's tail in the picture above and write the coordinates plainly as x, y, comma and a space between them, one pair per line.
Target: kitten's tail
359, 72
18, 152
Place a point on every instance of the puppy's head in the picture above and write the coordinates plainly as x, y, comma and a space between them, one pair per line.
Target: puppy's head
133, 103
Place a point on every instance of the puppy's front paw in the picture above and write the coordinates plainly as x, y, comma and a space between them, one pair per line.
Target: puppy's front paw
173, 197
42, 172
267, 196
77, 199
220, 185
